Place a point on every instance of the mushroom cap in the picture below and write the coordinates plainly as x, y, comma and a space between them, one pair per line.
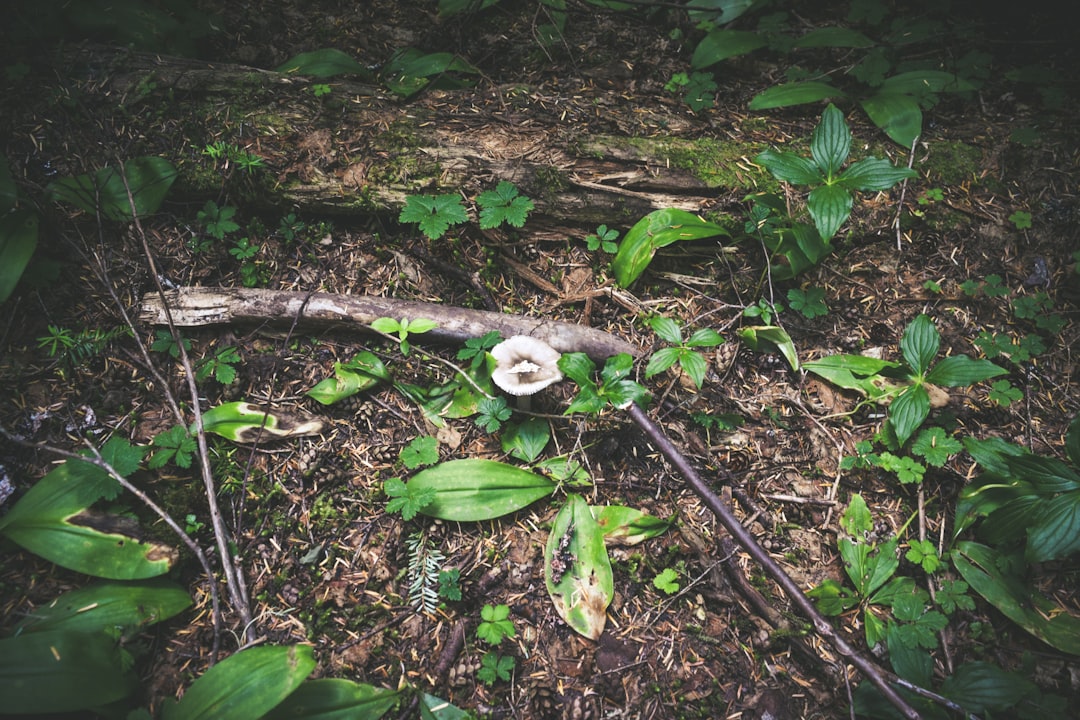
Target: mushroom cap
525, 365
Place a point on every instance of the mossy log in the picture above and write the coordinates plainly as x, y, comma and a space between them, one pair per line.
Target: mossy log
359, 150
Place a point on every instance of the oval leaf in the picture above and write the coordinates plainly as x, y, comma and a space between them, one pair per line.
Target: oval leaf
335, 699
246, 685
324, 63
794, 93
658, 229
245, 422
830, 207
108, 605
830, 143
149, 179
897, 114
577, 570
623, 525
721, 44
475, 489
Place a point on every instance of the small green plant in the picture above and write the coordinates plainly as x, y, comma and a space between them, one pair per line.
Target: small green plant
73, 348
1004, 394
698, 90
830, 200
164, 342
217, 221
667, 581
419, 452
495, 624
192, 524
320, 89
684, 353
407, 499
403, 329
450, 584
503, 205
931, 195
424, 572
475, 349
176, 445
494, 667
433, 214
227, 152
1021, 219
290, 227
656, 230
221, 366
810, 303
763, 310
603, 239
491, 413
910, 393
615, 387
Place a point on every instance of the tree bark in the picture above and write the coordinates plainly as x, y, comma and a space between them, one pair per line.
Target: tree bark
359, 150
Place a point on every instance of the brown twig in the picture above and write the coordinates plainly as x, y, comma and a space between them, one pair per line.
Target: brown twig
742, 536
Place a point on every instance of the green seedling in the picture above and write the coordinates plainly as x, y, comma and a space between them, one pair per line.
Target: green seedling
495, 625
667, 581
407, 499
450, 584
656, 230
503, 205
176, 445
218, 222
433, 214
403, 329
491, 413
495, 667
698, 90
603, 239
221, 365
684, 353
420, 452
164, 342
1021, 219
615, 387
763, 310
810, 303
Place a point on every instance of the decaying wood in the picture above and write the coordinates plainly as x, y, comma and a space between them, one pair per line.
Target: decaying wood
361, 151
196, 306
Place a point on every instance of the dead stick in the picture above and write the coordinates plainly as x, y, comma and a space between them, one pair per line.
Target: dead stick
195, 306
742, 536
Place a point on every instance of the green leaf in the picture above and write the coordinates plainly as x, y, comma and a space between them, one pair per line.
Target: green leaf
897, 114
763, 337
434, 214
705, 337
420, 451
627, 526
18, 240
335, 699
503, 204
981, 687
790, 168
577, 571
666, 328
694, 365
495, 624
852, 372
936, 446
873, 174
721, 44
1056, 533
407, 71
922, 82
830, 143
830, 207
434, 708
667, 581
578, 367
832, 598
920, 343
527, 439
856, 520
361, 373
405, 499
960, 370
324, 63
245, 422
660, 361
795, 93
908, 411
658, 229
59, 672
981, 567
246, 685
475, 489
131, 606
148, 177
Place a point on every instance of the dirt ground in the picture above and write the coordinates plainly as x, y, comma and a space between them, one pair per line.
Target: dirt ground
326, 564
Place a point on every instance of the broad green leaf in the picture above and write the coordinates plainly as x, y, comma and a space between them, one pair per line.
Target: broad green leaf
795, 93
335, 699
246, 685
18, 240
705, 337
1056, 533
830, 207
660, 361
910, 662
578, 367
59, 672
666, 328
981, 566
764, 337
852, 372
658, 229
830, 143
897, 114
918, 82
1046, 474
435, 708
694, 365
908, 411
960, 370
577, 570
361, 373
920, 343
53, 520
324, 63
149, 179
245, 422
623, 525
833, 37
721, 44
873, 174
109, 605
856, 520
527, 439
790, 167
832, 598
982, 687
476, 489
408, 71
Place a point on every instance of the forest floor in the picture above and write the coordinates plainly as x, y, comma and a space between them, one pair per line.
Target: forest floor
325, 562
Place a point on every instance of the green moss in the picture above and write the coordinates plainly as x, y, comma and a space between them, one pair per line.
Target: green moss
716, 163
953, 162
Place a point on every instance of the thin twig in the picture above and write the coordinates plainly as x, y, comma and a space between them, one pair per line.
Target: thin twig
741, 535
903, 193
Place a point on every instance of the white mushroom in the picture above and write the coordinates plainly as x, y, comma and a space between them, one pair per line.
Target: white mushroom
525, 365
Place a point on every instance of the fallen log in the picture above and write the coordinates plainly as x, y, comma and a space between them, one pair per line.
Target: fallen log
197, 306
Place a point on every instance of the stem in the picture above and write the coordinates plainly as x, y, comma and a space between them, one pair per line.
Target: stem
742, 536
